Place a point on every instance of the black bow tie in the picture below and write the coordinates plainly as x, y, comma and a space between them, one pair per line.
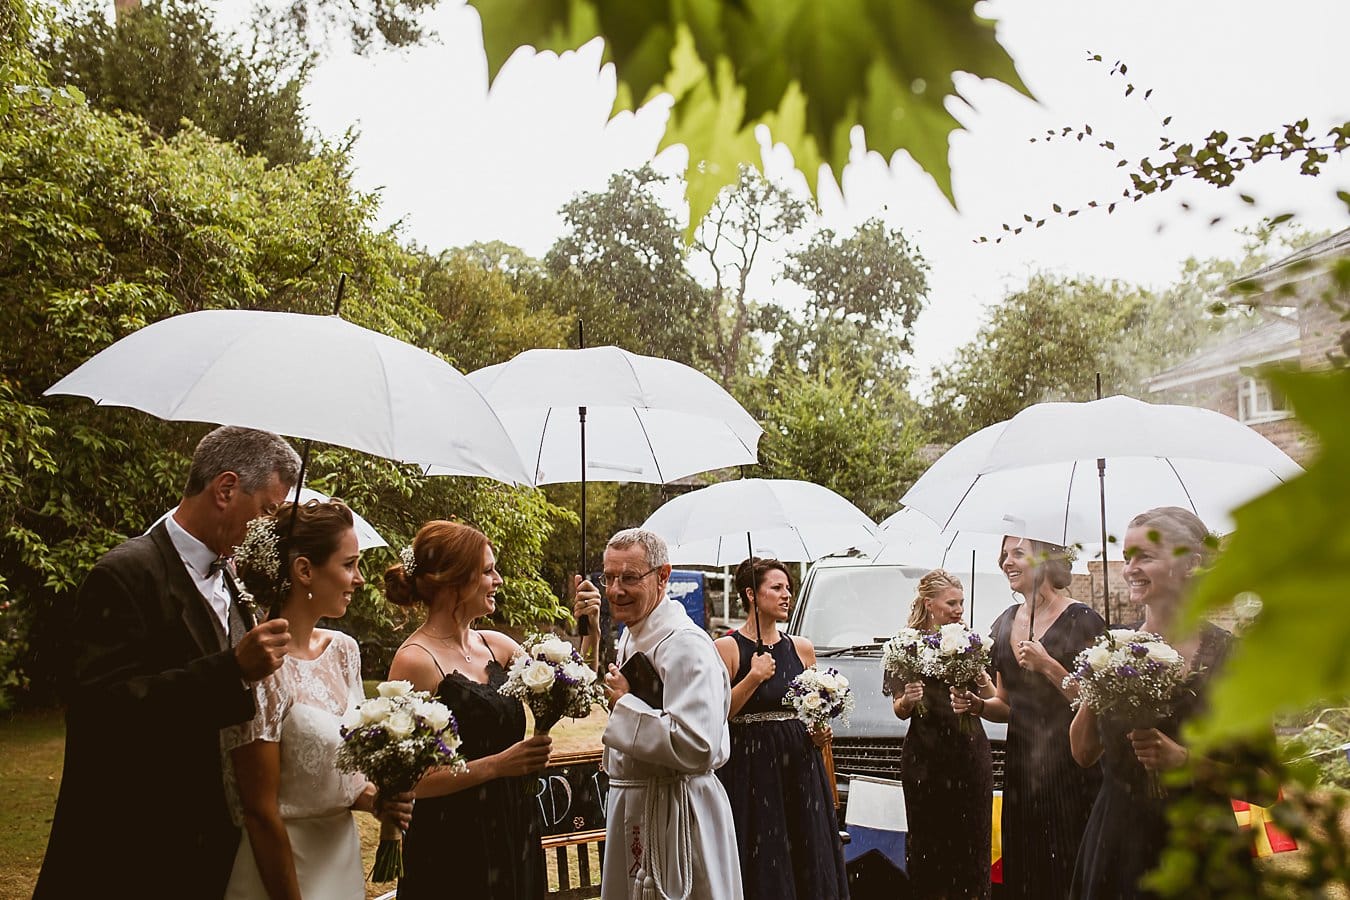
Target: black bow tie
219, 564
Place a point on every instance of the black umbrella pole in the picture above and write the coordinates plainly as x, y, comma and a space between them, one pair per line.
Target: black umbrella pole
972, 590
754, 592
1106, 577
584, 623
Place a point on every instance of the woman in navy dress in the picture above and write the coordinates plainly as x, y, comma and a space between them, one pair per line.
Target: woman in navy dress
787, 830
947, 773
474, 834
1129, 827
1046, 795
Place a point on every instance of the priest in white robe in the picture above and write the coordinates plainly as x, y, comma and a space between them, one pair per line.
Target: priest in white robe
670, 833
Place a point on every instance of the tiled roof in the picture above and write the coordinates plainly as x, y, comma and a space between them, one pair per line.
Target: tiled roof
1326, 249
1258, 345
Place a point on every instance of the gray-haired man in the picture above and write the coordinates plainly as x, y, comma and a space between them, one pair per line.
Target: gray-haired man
161, 654
670, 832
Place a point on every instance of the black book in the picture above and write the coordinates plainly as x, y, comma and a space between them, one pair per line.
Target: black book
643, 680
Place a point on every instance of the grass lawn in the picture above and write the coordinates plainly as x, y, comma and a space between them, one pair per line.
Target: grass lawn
31, 745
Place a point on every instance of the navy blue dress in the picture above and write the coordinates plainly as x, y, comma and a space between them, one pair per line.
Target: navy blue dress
787, 830
482, 842
949, 793
1128, 828
1046, 795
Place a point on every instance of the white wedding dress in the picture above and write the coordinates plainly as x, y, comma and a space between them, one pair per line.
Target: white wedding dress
300, 707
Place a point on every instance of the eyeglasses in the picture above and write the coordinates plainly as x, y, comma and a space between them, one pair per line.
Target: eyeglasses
626, 580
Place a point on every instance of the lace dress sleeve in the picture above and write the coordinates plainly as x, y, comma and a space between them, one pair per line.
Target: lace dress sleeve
273, 702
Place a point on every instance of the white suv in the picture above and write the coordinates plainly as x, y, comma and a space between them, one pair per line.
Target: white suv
848, 607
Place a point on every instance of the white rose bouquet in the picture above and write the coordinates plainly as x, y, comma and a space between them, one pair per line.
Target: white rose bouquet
819, 696
551, 678
958, 656
1129, 677
906, 657
393, 739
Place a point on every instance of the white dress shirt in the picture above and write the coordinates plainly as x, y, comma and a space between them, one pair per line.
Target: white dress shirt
198, 557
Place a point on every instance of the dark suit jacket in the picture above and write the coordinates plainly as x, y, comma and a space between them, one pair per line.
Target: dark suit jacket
151, 683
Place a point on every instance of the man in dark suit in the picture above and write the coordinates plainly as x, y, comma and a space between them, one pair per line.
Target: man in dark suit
162, 655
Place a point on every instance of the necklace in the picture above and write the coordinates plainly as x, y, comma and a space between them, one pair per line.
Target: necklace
445, 639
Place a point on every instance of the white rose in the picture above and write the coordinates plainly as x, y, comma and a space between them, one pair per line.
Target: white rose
351, 719
1163, 653
395, 688
812, 702
582, 674
554, 650
400, 723
375, 710
954, 638
827, 682
1098, 658
842, 682
436, 715
538, 677
1123, 635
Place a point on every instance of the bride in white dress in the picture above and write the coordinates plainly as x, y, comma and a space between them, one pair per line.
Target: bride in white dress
299, 837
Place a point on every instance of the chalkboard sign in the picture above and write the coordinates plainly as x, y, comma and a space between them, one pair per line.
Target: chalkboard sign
571, 794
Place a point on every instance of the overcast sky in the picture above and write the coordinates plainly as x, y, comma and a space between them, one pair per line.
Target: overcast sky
456, 163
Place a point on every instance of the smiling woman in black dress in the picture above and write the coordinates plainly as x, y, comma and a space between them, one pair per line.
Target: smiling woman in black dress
1046, 795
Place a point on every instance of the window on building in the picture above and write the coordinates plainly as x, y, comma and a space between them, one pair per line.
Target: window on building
1259, 402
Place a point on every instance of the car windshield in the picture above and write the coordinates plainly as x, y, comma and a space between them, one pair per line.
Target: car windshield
852, 605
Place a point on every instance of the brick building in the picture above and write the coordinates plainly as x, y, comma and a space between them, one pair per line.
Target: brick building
1303, 302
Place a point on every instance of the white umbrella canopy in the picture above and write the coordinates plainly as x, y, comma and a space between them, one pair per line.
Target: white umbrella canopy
780, 518
1057, 498
1125, 427
647, 419
312, 377
367, 538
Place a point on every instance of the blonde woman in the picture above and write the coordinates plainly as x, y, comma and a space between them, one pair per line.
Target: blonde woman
947, 774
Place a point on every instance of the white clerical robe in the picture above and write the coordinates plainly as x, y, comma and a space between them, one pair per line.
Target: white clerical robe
670, 832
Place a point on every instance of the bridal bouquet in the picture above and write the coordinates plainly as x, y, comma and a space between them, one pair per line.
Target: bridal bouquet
905, 657
393, 739
959, 657
1128, 677
551, 678
819, 696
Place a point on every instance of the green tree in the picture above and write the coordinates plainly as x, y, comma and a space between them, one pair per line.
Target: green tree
843, 430
106, 227
864, 293
165, 63
746, 219
1044, 342
620, 266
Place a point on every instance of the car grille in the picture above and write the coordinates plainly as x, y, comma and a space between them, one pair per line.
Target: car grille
880, 757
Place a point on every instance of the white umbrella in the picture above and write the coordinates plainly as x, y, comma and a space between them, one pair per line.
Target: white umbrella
648, 419
789, 520
306, 376
367, 538
724, 523
1150, 455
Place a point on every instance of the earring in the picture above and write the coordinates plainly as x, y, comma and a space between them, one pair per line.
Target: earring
309, 595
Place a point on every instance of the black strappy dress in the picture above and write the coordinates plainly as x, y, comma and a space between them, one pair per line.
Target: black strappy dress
482, 842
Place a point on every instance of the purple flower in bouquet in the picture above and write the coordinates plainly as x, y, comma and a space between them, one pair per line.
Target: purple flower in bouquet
394, 739
551, 678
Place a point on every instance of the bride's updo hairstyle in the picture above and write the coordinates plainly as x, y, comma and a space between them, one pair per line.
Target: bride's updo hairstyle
750, 574
444, 554
930, 585
314, 534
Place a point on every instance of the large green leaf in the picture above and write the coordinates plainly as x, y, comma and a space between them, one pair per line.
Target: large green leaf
808, 70
1292, 550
